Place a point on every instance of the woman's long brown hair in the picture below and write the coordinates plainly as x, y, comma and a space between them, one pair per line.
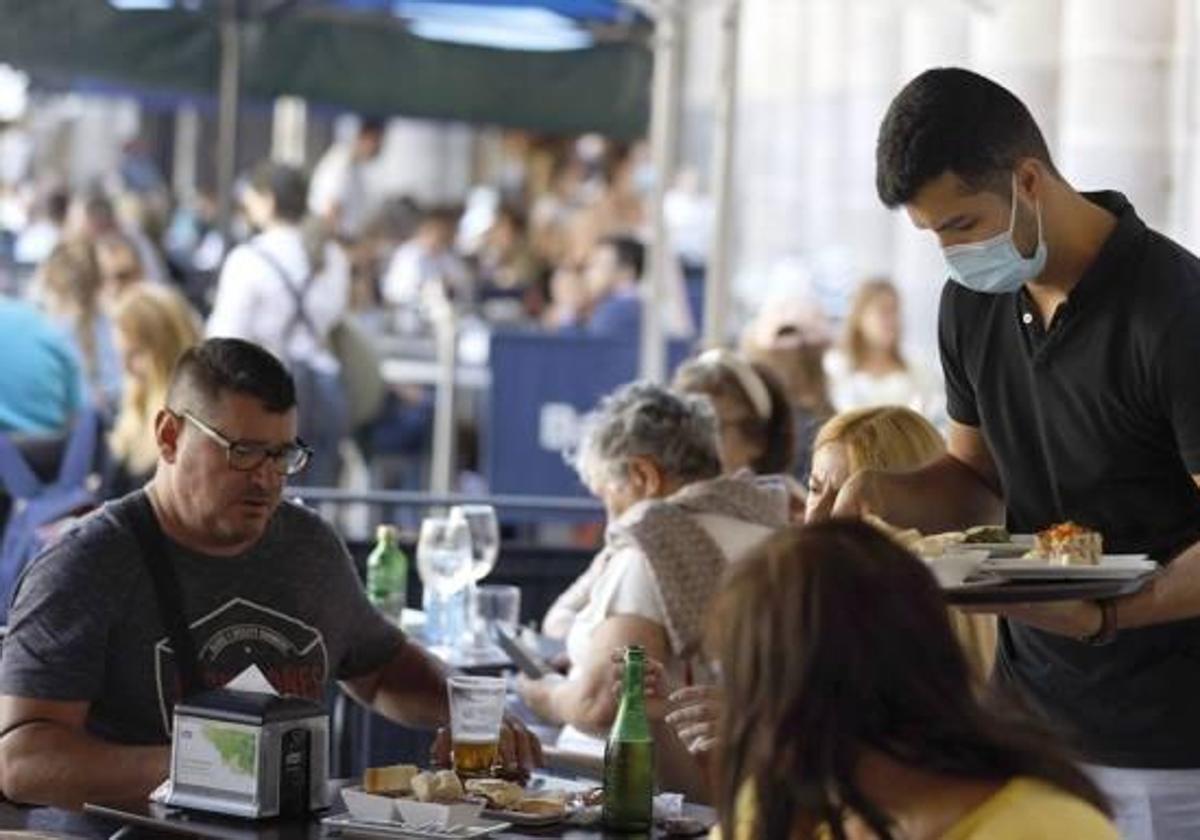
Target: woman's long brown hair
833, 640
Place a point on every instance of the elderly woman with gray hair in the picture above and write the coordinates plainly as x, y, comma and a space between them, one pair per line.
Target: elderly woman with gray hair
675, 522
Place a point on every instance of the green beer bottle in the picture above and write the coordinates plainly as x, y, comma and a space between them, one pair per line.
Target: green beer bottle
629, 756
387, 574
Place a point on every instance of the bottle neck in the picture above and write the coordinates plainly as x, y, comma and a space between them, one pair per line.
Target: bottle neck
387, 541
633, 692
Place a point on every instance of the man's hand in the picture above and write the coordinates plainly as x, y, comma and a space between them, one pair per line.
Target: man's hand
520, 751
1076, 619
696, 712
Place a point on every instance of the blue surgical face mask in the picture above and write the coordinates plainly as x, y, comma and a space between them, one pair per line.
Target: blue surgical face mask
995, 266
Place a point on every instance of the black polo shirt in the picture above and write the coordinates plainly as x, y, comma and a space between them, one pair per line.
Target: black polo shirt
1097, 420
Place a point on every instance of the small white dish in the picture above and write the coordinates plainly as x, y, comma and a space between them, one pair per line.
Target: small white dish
425, 813
955, 566
376, 808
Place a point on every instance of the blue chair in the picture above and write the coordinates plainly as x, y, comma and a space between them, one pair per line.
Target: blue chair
36, 504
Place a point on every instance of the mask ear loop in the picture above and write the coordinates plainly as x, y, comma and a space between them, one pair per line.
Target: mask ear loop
1012, 220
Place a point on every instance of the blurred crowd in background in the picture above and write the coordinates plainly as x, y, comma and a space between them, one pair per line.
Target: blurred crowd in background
107, 283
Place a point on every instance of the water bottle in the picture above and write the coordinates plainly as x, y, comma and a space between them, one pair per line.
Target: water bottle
629, 755
445, 617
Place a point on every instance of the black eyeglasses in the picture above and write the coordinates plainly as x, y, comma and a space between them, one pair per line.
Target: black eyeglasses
244, 456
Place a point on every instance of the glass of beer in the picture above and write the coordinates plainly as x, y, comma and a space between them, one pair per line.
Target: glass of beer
476, 710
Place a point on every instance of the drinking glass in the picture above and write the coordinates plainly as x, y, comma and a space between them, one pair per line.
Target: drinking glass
496, 606
444, 564
485, 537
485, 550
476, 710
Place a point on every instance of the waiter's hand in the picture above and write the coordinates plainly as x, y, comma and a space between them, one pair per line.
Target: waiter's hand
1076, 619
520, 750
855, 498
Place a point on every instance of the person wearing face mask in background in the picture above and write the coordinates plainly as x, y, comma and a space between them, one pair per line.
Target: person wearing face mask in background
1069, 334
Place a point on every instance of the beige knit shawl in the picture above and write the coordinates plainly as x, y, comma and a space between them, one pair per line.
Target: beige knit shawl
686, 562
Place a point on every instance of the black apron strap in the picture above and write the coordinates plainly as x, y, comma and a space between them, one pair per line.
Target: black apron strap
152, 546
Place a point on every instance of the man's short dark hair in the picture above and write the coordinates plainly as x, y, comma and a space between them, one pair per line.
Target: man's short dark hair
219, 365
631, 254
371, 125
287, 185
950, 119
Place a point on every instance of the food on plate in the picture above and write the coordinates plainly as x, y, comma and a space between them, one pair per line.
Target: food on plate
499, 794
442, 786
936, 545
541, 805
987, 534
395, 780
907, 537
1068, 544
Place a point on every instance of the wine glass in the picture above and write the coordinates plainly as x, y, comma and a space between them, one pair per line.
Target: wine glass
485, 537
485, 550
445, 566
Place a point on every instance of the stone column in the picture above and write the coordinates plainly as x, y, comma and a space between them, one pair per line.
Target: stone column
1115, 100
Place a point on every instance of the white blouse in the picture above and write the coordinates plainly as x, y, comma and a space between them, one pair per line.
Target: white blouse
626, 586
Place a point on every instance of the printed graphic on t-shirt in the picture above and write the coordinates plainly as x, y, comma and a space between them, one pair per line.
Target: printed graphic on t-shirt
290, 653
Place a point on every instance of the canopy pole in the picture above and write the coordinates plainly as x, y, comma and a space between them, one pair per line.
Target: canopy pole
186, 148
717, 298
442, 462
664, 128
227, 115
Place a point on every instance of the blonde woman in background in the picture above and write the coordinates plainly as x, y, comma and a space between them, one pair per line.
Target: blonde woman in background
869, 368
68, 289
154, 326
120, 267
889, 438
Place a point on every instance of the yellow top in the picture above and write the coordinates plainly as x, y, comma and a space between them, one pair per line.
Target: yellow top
1027, 809
1024, 809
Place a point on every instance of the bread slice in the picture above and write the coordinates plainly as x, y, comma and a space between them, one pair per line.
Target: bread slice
395, 780
442, 786
540, 806
500, 794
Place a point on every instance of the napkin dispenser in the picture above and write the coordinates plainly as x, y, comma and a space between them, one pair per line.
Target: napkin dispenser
250, 755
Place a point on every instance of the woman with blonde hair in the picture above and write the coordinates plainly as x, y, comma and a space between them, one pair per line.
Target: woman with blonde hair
870, 368
155, 325
885, 437
889, 438
68, 289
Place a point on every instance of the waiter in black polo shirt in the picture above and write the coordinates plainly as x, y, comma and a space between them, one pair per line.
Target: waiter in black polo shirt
1070, 340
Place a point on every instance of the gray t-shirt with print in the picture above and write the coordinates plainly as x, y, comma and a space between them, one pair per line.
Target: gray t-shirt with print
85, 623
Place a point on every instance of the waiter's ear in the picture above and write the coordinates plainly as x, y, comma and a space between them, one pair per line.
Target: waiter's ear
1031, 179
167, 426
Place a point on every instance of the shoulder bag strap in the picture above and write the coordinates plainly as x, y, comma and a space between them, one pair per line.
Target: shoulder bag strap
152, 546
300, 315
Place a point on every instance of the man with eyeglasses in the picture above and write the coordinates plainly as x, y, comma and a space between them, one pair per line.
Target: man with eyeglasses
90, 673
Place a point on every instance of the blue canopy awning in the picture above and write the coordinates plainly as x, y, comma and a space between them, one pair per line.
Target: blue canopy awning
350, 54
583, 11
